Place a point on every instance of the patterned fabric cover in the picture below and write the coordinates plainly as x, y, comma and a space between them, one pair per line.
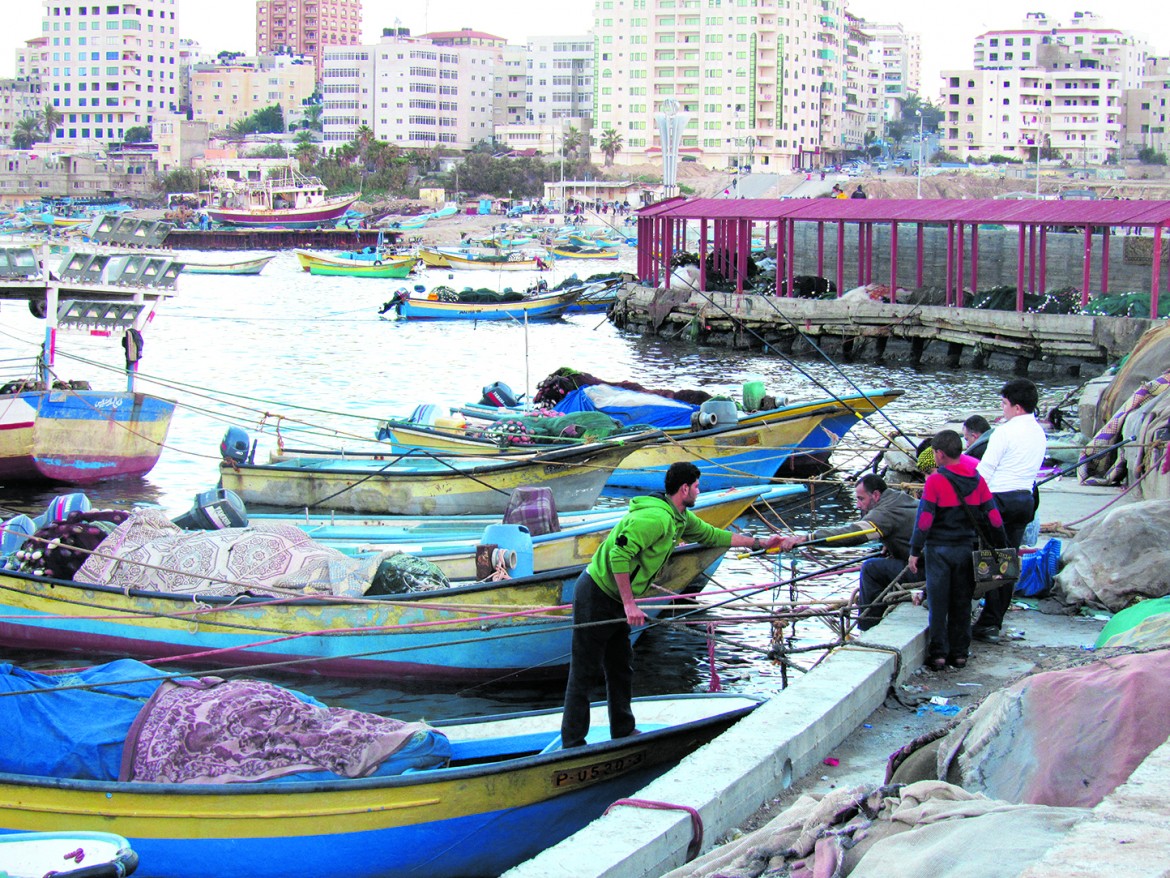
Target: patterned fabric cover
150, 552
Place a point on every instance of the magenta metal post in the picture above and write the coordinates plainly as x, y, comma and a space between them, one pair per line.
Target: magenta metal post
1086, 265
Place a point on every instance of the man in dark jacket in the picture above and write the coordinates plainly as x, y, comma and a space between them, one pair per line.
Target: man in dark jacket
605, 607
946, 532
887, 515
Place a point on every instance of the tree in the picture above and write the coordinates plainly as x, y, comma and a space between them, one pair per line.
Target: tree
931, 115
307, 155
313, 112
27, 132
137, 134
53, 119
611, 145
1147, 155
571, 141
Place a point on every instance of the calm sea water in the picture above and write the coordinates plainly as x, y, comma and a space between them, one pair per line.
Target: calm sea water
311, 357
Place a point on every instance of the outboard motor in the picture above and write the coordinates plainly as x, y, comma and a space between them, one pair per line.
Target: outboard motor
214, 510
234, 445
499, 395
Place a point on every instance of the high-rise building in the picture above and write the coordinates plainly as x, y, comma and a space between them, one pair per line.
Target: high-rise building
559, 78
898, 55
761, 85
108, 67
1062, 87
307, 27
19, 98
410, 92
509, 88
225, 92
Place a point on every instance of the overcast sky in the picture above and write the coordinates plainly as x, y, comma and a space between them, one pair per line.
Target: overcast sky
947, 34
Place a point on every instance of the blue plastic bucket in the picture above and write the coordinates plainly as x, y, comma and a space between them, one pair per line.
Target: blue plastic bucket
515, 537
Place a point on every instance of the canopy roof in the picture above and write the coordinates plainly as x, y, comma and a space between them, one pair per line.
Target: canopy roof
878, 210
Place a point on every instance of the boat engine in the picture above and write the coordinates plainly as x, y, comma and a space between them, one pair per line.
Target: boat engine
214, 510
234, 445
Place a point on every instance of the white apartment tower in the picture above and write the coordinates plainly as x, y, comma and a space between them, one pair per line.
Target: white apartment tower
559, 78
410, 92
758, 79
898, 55
1043, 83
108, 67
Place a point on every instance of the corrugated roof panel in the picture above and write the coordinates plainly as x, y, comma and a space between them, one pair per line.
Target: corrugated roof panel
1073, 213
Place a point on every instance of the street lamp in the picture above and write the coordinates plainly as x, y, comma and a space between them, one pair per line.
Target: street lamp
920, 152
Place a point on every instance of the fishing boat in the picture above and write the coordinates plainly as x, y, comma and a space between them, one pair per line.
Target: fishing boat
286, 199
596, 297
546, 306
394, 268
433, 258
518, 628
489, 793
375, 254
514, 261
425, 484
572, 251
243, 266
729, 450
65, 432
66, 854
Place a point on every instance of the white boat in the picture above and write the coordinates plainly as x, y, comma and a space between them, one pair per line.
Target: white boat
62, 854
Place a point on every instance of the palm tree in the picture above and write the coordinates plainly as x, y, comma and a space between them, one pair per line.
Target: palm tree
27, 132
570, 141
53, 119
307, 155
611, 145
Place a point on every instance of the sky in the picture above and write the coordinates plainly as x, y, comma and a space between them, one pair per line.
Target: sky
947, 32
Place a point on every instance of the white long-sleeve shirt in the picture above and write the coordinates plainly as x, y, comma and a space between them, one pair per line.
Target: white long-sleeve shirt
1015, 453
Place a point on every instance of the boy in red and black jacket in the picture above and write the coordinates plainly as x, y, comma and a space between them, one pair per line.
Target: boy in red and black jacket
955, 500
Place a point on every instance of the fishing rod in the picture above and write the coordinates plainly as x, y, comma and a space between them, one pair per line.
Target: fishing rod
819, 541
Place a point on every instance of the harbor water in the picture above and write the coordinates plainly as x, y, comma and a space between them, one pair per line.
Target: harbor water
308, 361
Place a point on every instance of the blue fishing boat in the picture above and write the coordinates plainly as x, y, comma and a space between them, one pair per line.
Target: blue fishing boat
456, 799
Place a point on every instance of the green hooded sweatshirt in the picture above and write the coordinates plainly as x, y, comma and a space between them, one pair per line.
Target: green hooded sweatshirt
643, 540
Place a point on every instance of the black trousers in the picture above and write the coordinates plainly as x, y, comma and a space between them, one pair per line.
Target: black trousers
1017, 508
601, 649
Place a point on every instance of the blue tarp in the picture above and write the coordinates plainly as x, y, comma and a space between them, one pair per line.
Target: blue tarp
629, 406
76, 733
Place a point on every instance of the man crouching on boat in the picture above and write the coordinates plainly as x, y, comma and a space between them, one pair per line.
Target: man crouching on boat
605, 596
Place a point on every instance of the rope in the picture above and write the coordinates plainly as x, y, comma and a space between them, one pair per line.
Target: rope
696, 844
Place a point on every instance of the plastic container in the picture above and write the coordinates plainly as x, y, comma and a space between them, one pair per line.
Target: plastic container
722, 409
753, 393
515, 538
454, 422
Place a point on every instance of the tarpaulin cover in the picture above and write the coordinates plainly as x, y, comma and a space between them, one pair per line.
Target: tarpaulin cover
926, 828
629, 406
1066, 737
76, 733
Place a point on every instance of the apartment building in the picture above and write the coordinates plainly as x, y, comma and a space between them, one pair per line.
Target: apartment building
898, 56
1061, 87
223, 93
109, 67
559, 78
18, 98
307, 27
763, 82
30, 58
410, 92
1144, 120
509, 88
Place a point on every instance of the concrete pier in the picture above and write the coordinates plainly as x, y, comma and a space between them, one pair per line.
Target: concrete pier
783, 743
871, 331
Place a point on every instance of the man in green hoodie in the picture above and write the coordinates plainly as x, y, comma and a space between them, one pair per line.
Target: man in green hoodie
605, 596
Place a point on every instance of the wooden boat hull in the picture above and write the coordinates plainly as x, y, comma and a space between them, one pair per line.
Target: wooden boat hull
464, 263
454, 553
77, 437
329, 211
481, 632
398, 269
467, 820
307, 259
575, 476
433, 258
546, 307
750, 451
589, 253
244, 267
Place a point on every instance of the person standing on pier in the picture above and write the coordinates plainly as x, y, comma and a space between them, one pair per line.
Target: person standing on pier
976, 433
605, 607
887, 514
944, 536
1015, 452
